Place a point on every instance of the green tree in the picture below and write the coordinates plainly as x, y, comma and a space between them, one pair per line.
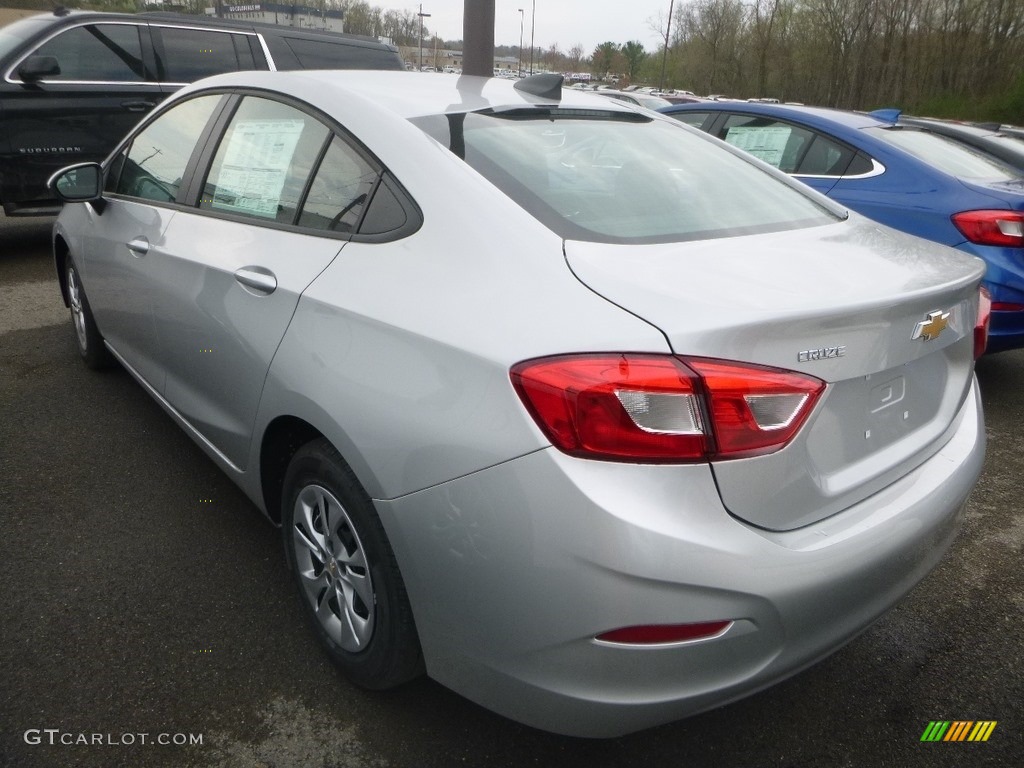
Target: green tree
634, 54
603, 58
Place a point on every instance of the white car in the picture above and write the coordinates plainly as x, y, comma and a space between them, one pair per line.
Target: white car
593, 418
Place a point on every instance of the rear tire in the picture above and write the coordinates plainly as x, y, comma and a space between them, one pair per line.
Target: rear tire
94, 352
348, 578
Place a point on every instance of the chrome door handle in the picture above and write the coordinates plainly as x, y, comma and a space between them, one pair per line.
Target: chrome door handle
257, 280
139, 246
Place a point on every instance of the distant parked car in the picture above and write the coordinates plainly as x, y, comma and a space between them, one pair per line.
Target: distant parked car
990, 139
73, 83
639, 98
901, 175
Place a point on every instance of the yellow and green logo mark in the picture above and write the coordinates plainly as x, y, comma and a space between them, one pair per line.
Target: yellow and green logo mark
958, 730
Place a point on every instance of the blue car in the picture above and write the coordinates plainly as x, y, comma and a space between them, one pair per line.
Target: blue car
904, 176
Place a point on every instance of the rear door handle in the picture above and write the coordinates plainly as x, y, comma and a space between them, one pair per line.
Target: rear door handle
257, 280
138, 106
139, 246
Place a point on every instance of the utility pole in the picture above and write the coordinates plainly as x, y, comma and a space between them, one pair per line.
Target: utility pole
664, 54
478, 38
422, 15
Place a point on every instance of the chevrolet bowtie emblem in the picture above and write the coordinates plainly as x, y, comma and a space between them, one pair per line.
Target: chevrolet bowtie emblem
930, 329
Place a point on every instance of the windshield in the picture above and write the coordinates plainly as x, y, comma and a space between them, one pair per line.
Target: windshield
622, 177
14, 34
949, 155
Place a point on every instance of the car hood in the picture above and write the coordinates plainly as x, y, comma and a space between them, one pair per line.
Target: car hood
840, 302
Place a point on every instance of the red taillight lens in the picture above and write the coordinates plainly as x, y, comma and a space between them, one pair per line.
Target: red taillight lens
754, 410
981, 326
658, 634
991, 227
659, 408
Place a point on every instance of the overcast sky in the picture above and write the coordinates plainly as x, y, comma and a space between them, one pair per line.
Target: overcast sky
565, 22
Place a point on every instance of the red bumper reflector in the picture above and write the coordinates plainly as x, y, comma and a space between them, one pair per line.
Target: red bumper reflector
659, 634
985, 307
1007, 306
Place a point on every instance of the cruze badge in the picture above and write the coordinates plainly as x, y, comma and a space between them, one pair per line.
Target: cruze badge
930, 329
824, 353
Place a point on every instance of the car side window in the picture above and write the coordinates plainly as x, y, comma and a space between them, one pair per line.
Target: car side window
264, 161
324, 54
825, 157
775, 142
191, 54
105, 53
696, 119
340, 190
153, 165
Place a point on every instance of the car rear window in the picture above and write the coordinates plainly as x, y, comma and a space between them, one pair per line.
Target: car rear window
327, 54
949, 155
622, 177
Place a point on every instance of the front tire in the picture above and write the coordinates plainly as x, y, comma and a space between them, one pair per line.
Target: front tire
94, 352
348, 578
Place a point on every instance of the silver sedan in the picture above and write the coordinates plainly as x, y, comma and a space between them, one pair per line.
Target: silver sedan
588, 416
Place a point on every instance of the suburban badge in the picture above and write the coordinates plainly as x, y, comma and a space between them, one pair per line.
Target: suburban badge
930, 329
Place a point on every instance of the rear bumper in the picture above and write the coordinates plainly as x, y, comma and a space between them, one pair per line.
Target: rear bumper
513, 570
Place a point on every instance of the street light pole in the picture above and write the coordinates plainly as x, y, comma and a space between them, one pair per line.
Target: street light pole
422, 15
520, 72
533, 28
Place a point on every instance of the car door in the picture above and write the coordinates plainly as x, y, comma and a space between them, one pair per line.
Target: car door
234, 267
82, 90
127, 238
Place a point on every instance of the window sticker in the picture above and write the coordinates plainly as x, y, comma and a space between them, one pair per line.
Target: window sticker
255, 166
766, 143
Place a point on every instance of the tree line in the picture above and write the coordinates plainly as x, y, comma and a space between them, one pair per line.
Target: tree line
960, 58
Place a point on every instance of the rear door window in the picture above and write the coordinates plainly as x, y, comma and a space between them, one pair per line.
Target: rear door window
186, 55
777, 143
265, 162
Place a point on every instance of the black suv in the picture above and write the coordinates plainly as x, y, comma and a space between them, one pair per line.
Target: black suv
74, 83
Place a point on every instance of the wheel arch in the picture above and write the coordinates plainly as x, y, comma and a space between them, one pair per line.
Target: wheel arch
61, 251
282, 439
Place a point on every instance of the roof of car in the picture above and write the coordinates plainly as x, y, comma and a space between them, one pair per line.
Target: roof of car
824, 114
410, 94
66, 17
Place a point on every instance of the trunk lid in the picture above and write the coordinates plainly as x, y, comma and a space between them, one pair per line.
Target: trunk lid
841, 302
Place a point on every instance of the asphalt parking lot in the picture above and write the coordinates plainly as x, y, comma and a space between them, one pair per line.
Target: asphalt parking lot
145, 600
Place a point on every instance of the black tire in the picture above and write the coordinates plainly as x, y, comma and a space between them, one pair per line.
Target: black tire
94, 352
347, 576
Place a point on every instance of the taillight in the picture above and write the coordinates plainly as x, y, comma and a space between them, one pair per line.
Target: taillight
991, 227
982, 323
659, 408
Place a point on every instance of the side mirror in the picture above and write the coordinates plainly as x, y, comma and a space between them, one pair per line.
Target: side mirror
82, 183
38, 68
